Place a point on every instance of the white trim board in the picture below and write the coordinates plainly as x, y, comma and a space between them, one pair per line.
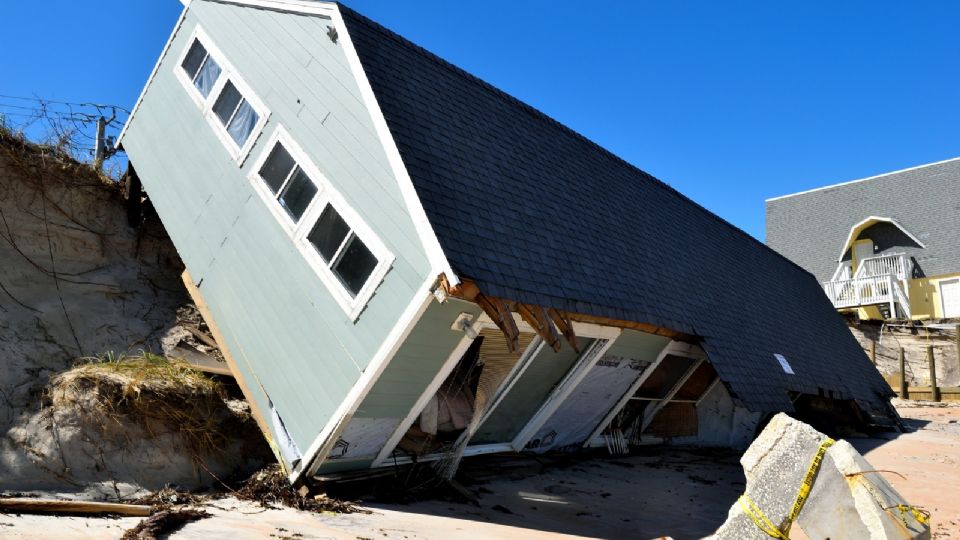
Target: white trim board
863, 179
306, 7
323, 443
156, 69
876, 219
428, 237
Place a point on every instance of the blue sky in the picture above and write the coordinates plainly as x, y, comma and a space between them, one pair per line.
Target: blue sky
729, 102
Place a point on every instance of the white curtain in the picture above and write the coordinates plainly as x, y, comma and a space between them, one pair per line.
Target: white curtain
243, 123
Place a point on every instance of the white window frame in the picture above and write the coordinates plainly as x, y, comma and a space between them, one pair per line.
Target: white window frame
298, 232
227, 73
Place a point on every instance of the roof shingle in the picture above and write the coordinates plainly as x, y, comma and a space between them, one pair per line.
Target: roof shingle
535, 212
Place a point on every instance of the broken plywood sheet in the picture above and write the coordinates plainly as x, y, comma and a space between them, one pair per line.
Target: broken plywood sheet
584, 409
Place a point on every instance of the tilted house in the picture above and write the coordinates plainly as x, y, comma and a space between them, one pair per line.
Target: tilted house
404, 263
885, 247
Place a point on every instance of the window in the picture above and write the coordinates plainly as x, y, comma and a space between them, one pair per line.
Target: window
348, 257
230, 107
345, 253
236, 114
202, 70
285, 179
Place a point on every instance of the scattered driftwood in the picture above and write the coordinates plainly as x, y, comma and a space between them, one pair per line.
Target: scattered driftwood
270, 487
169, 497
164, 522
48, 506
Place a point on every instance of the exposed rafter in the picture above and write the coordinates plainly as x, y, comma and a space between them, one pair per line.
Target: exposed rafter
548, 323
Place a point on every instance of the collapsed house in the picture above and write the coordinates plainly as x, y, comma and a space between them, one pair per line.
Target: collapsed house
403, 263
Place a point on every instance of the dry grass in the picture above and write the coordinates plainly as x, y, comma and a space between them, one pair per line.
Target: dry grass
161, 396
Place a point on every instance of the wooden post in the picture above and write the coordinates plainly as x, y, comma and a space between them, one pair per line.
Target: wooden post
100, 148
934, 390
873, 351
957, 330
904, 394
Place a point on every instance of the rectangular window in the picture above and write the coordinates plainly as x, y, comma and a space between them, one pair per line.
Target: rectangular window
347, 256
236, 114
230, 107
291, 187
202, 70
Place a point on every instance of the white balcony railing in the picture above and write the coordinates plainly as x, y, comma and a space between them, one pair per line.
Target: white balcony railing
866, 291
895, 264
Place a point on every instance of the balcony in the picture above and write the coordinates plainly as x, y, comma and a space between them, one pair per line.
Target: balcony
877, 281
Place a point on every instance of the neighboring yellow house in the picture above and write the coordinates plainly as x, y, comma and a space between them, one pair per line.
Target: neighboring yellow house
887, 247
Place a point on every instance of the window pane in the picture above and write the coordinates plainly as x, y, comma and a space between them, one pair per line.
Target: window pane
207, 77
328, 233
227, 103
298, 194
243, 123
355, 265
191, 64
277, 168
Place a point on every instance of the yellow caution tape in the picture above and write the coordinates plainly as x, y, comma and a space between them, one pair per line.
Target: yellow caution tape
783, 531
922, 516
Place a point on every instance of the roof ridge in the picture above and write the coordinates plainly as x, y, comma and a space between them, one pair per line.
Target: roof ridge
566, 129
865, 178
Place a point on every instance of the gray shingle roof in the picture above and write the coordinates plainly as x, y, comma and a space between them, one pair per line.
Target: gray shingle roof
811, 227
537, 213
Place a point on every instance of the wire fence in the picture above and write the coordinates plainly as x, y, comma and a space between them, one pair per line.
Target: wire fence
67, 126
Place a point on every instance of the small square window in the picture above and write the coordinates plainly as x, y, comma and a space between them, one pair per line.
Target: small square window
277, 168
227, 103
236, 114
201, 68
329, 233
355, 266
297, 194
194, 59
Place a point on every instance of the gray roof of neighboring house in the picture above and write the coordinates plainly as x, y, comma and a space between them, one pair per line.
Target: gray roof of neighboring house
537, 213
811, 227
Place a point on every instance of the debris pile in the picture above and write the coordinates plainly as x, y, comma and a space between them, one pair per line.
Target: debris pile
270, 487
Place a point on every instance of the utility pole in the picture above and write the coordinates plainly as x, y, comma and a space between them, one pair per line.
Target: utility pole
100, 150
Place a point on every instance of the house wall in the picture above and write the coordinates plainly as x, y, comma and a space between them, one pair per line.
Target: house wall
810, 228
925, 301
291, 339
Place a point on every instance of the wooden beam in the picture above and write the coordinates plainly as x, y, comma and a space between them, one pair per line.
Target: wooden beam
499, 312
47, 506
470, 291
631, 325
565, 326
538, 319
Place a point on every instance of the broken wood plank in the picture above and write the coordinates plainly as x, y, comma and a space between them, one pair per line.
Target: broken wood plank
565, 326
500, 314
49, 506
537, 318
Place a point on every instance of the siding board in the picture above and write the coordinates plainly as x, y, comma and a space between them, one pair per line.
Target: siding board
291, 339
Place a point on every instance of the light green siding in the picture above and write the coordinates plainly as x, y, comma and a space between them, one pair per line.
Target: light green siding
531, 390
405, 379
417, 362
288, 334
638, 346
